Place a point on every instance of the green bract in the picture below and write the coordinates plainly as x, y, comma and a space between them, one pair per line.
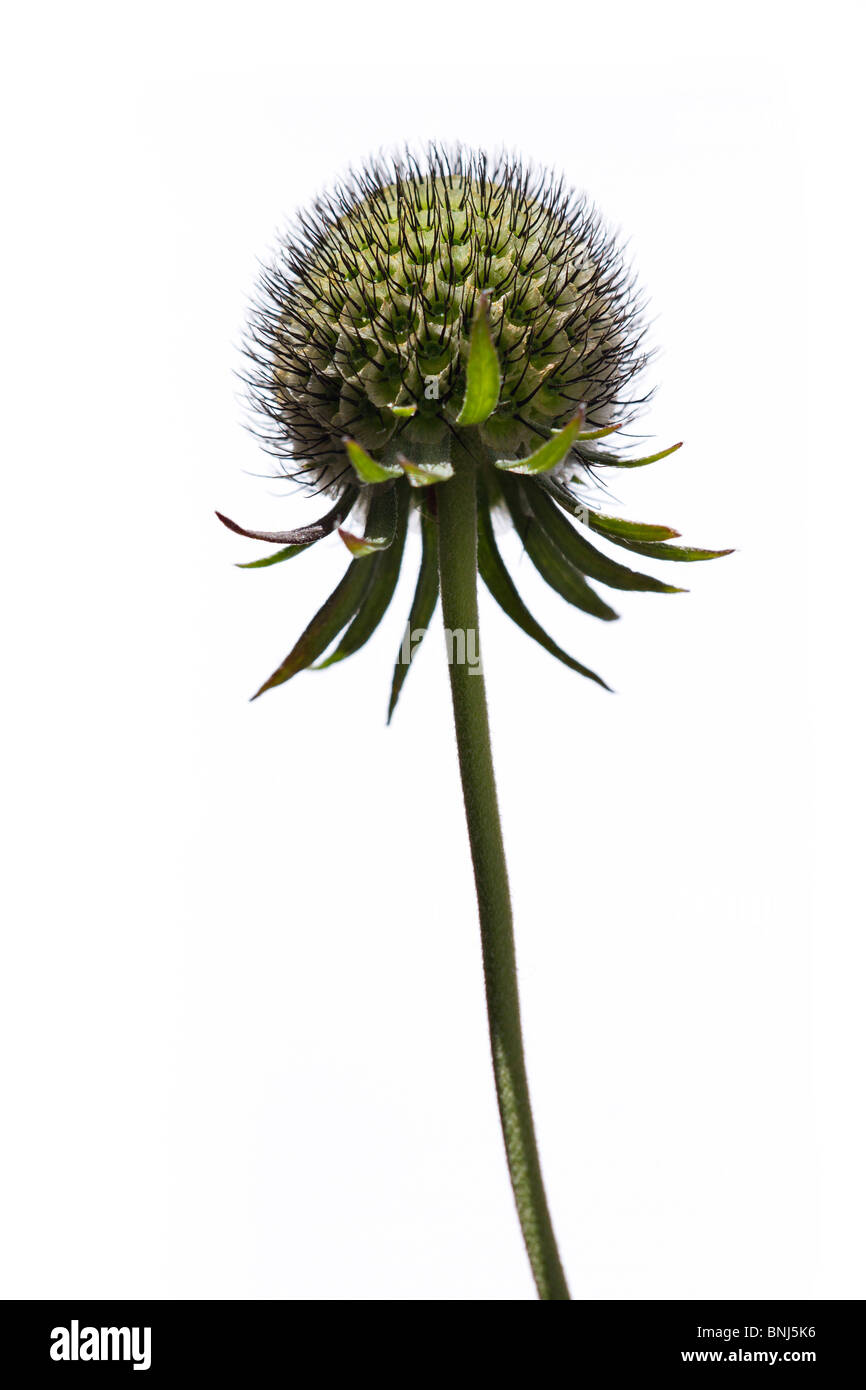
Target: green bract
445, 314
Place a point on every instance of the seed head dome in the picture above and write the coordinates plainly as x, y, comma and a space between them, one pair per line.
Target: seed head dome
369, 305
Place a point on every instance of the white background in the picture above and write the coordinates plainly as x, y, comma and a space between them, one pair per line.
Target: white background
243, 1041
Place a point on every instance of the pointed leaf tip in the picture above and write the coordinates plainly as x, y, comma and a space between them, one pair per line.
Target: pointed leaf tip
551, 453
617, 527
660, 550
301, 535
483, 377
641, 462
276, 559
588, 435
380, 528
363, 545
367, 469
424, 474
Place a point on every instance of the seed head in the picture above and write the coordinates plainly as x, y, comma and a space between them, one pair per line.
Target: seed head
440, 314
369, 306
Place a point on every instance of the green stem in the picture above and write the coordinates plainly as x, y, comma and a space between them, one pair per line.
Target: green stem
457, 508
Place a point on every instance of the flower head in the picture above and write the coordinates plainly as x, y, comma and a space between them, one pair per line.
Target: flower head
450, 313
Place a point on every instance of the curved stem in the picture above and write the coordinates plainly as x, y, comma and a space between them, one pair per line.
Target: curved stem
457, 508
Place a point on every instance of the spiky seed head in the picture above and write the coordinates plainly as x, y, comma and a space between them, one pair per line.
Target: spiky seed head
363, 321
450, 302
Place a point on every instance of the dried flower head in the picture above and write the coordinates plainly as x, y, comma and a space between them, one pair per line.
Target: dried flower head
448, 313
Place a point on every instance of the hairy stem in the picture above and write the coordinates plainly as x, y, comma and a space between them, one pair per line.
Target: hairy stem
457, 507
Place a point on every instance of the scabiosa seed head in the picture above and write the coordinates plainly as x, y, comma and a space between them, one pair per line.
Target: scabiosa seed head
446, 313
362, 325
